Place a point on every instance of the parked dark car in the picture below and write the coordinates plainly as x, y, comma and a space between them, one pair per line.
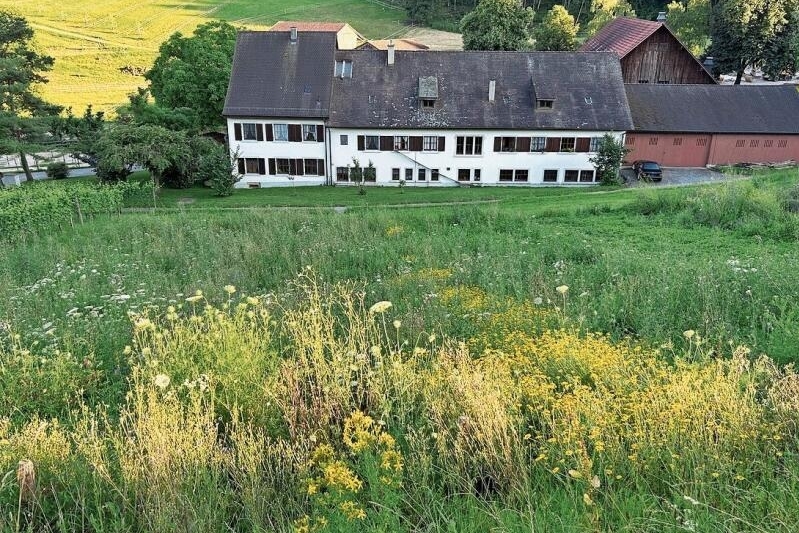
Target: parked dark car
647, 170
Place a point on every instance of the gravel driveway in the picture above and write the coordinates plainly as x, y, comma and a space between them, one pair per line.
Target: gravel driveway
677, 176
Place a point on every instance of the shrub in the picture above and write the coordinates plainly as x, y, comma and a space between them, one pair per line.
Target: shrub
57, 170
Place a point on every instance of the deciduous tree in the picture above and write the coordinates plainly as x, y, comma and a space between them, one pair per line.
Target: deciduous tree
606, 10
497, 25
690, 21
557, 31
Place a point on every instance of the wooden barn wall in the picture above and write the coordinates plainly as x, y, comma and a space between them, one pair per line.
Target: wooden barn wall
662, 59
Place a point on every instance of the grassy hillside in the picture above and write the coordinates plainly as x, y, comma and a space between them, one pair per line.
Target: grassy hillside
101, 48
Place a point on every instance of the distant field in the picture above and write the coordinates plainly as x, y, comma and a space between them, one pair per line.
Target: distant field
101, 48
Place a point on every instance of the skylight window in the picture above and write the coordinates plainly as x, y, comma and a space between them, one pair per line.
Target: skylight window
343, 69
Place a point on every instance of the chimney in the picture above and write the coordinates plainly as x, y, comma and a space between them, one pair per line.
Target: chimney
294, 34
492, 90
661, 16
390, 49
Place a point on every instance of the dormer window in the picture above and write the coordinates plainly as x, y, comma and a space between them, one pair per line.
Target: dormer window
544, 103
428, 103
343, 69
428, 92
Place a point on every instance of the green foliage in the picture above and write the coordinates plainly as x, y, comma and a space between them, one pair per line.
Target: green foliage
497, 25
193, 72
57, 170
690, 21
603, 11
558, 30
141, 111
748, 32
220, 169
608, 159
356, 171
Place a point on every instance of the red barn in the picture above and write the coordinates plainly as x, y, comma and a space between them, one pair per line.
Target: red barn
649, 52
700, 125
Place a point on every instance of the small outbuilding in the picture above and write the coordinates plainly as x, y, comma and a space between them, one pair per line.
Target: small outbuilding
700, 125
649, 52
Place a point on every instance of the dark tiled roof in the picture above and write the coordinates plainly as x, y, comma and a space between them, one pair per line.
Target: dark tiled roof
587, 88
273, 77
715, 108
621, 36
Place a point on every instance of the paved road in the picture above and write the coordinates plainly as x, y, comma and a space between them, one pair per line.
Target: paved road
10, 179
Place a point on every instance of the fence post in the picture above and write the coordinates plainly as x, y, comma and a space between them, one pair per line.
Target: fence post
80, 213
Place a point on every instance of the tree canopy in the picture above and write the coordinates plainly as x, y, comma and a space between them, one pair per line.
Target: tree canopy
497, 25
193, 72
558, 31
690, 21
25, 118
603, 11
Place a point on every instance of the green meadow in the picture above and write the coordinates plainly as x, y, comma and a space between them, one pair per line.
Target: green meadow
102, 49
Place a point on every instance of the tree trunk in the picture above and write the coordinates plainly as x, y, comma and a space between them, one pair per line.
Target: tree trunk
23, 159
738, 76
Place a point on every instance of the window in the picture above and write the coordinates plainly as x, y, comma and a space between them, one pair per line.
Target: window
371, 142
408, 174
401, 142
249, 131
520, 175
430, 143
464, 174
754, 143
311, 167
782, 144
342, 174
594, 145
537, 144
567, 144
309, 132
701, 142
677, 141
768, 144
344, 140
550, 176
395, 174
283, 166
254, 165
586, 176
507, 144
740, 143
422, 174
629, 141
343, 69
571, 176
477, 174
653, 141
544, 103
468, 145
428, 104
505, 175
434, 175
281, 132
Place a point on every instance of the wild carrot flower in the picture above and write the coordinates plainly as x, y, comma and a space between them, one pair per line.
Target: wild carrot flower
161, 381
562, 289
380, 307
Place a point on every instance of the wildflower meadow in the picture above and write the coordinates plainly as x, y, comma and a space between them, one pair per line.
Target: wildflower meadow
619, 366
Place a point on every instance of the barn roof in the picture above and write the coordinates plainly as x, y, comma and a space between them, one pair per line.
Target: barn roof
621, 36
274, 77
715, 108
587, 90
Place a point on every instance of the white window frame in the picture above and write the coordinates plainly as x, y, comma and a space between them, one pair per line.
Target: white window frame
280, 132
249, 127
309, 130
430, 143
366, 143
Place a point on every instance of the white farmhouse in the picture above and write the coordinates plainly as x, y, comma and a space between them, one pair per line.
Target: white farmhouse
301, 111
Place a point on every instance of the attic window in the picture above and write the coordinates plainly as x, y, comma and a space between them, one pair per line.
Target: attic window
428, 92
343, 69
428, 104
544, 103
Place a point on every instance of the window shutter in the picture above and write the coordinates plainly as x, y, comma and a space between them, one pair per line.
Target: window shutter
242, 169
415, 144
442, 144
259, 132
522, 144
553, 144
320, 133
272, 168
300, 167
269, 135
386, 143
261, 166
361, 143
320, 167
583, 144
237, 131
497, 144
292, 167
295, 133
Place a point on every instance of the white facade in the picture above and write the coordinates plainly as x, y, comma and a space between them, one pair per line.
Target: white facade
523, 158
